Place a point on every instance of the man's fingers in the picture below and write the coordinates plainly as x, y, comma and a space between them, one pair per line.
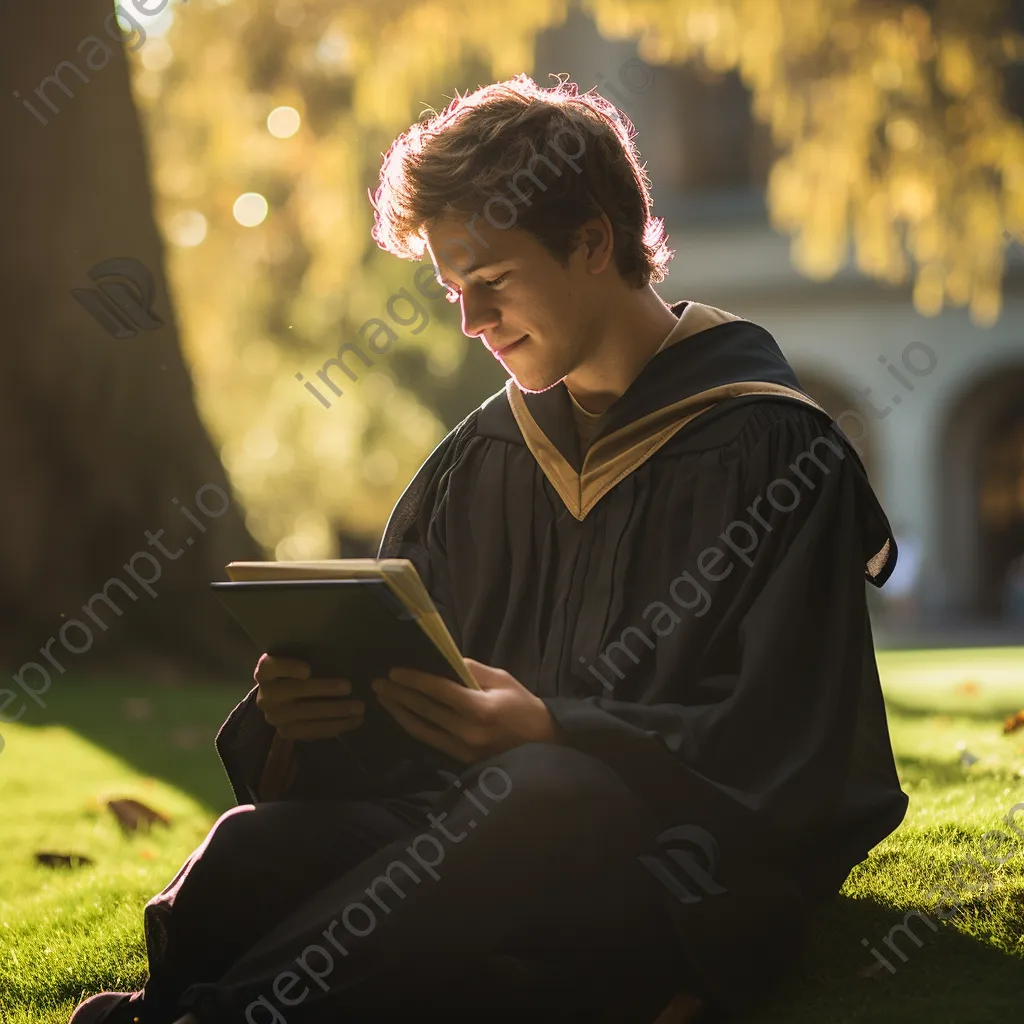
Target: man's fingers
427, 732
316, 710
276, 692
322, 729
445, 691
420, 704
302, 688
269, 667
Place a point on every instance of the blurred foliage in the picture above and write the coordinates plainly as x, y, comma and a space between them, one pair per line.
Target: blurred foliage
889, 119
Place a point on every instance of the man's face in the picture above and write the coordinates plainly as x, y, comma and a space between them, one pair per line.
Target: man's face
529, 310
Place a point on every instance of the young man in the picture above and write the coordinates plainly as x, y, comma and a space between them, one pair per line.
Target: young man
653, 547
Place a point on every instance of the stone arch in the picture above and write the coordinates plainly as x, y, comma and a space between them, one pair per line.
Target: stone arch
982, 490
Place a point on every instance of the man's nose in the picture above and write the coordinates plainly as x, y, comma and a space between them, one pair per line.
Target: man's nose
478, 315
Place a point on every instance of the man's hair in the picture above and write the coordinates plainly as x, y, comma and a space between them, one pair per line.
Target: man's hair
473, 158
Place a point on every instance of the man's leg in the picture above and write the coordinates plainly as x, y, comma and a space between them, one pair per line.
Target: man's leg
257, 864
536, 848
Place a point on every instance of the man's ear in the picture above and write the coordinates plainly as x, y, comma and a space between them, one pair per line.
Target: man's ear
598, 236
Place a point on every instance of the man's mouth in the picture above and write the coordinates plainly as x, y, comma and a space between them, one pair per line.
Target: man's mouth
508, 348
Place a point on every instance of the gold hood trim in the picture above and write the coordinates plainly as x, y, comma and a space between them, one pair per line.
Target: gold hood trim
612, 458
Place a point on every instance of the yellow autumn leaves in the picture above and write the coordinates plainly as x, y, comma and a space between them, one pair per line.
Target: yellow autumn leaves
891, 123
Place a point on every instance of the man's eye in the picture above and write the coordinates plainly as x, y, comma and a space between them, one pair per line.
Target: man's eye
453, 294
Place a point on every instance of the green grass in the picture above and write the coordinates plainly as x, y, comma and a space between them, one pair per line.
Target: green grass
64, 932
971, 969
68, 932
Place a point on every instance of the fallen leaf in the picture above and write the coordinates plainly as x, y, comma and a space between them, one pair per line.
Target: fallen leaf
147, 854
133, 815
1014, 722
968, 688
138, 709
875, 971
62, 860
188, 737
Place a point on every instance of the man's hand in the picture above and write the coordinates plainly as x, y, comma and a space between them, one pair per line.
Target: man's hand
470, 725
301, 708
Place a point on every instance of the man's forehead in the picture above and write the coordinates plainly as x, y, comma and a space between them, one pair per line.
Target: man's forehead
454, 247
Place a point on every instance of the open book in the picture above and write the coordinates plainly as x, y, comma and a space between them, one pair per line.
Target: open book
351, 618
400, 576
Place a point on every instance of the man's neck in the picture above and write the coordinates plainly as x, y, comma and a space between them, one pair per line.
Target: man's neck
627, 343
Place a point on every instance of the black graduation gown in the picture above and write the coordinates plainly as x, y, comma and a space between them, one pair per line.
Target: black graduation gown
690, 603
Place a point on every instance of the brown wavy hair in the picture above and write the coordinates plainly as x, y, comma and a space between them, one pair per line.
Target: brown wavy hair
473, 156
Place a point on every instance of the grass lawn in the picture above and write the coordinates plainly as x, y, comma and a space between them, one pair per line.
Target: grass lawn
65, 932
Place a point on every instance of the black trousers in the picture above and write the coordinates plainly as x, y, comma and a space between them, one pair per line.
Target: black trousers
512, 891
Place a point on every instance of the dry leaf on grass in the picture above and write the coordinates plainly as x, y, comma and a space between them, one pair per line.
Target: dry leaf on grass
62, 860
1014, 722
189, 737
968, 688
874, 971
138, 709
133, 815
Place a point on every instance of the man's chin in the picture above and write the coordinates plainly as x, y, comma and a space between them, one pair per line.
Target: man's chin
534, 382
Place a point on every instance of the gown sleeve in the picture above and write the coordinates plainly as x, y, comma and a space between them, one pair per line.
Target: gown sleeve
260, 764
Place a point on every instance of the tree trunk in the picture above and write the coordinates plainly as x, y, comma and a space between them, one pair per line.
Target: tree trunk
100, 439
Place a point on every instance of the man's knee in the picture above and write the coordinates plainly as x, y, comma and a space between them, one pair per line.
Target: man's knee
230, 834
552, 781
214, 863
232, 827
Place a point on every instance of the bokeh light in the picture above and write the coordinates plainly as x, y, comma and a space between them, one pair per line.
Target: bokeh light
187, 228
283, 122
156, 55
250, 209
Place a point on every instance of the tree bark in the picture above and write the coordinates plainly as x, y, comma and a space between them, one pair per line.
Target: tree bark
100, 438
